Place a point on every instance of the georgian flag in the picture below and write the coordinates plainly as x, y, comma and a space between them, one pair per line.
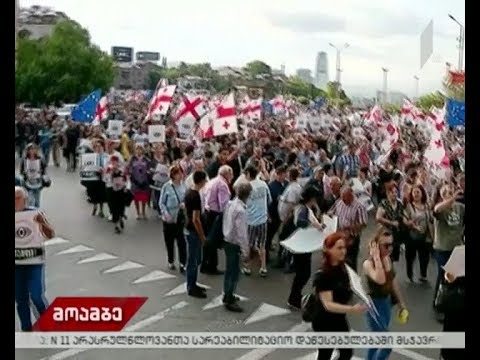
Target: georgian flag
189, 112
161, 100
101, 111
220, 121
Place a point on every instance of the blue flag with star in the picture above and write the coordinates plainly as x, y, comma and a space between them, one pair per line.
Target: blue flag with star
319, 102
267, 108
84, 111
455, 113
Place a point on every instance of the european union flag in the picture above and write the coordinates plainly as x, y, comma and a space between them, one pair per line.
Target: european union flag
267, 107
85, 110
455, 113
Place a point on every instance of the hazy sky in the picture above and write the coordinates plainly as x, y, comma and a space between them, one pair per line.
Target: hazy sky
381, 33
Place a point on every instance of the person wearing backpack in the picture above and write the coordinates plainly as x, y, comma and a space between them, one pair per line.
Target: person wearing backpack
304, 216
329, 304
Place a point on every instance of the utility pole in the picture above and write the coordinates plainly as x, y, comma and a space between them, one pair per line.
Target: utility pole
385, 85
338, 61
417, 85
461, 42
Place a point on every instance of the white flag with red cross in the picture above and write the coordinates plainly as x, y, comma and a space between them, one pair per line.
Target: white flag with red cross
101, 111
190, 111
161, 100
225, 121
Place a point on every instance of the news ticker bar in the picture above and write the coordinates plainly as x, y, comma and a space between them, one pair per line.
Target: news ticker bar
239, 340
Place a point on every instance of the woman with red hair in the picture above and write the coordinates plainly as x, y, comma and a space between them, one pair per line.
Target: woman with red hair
332, 287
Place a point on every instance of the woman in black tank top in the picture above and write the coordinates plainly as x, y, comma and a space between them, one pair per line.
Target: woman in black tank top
382, 287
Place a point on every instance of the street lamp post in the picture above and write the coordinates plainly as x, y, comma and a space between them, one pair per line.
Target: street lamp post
385, 85
461, 42
338, 64
417, 85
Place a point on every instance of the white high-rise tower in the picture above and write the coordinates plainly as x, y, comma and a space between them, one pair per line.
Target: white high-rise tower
321, 70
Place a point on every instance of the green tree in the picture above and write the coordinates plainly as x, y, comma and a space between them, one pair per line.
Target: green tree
258, 68
435, 99
62, 67
392, 109
336, 95
297, 87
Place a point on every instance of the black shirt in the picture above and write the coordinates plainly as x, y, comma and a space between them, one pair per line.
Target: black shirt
192, 202
276, 189
337, 281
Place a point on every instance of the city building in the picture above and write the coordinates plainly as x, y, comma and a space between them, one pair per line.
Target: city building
134, 77
321, 70
38, 21
305, 75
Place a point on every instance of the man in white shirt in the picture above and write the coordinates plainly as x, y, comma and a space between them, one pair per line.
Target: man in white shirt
236, 244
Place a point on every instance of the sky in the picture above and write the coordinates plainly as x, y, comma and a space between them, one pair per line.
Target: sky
381, 33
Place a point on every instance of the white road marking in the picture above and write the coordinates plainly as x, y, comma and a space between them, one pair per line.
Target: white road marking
128, 265
137, 326
265, 311
258, 354
218, 302
75, 249
411, 354
154, 276
56, 241
182, 289
98, 257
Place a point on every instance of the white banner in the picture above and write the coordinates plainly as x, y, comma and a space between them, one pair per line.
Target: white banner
241, 340
115, 128
156, 133
29, 239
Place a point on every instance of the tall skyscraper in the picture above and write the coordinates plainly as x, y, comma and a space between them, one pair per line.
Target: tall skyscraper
321, 70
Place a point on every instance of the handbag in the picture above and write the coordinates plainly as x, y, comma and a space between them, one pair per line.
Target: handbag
46, 181
309, 307
450, 297
181, 219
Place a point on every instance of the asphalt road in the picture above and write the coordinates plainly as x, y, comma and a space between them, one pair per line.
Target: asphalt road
134, 264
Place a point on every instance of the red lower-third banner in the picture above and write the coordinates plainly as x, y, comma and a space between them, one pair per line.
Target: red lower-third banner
89, 313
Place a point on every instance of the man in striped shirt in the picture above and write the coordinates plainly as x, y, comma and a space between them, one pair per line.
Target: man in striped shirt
349, 163
352, 219
217, 196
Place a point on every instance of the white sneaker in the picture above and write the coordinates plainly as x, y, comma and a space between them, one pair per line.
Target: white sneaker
246, 271
263, 272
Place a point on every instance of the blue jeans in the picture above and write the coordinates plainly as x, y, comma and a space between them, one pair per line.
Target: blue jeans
232, 271
194, 259
441, 257
34, 197
29, 284
384, 308
46, 153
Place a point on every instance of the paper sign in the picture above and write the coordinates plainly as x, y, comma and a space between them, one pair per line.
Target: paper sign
27, 231
156, 133
331, 223
456, 263
115, 128
357, 288
304, 241
89, 161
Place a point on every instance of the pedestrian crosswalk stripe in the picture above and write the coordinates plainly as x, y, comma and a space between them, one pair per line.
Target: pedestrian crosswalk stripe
98, 257
218, 302
182, 289
154, 276
56, 241
265, 311
75, 249
127, 265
